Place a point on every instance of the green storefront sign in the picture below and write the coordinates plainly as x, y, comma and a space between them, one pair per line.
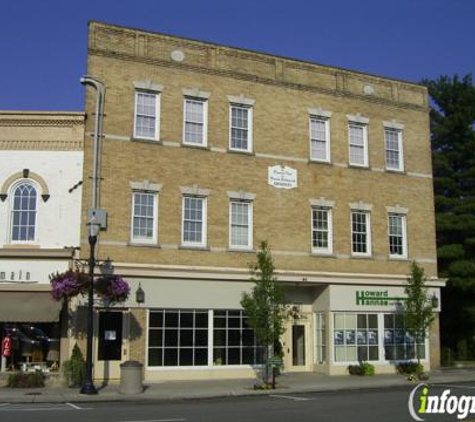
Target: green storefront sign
376, 298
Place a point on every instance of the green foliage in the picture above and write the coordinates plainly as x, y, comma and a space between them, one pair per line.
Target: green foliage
26, 380
418, 310
453, 158
447, 357
409, 368
265, 305
74, 369
363, 368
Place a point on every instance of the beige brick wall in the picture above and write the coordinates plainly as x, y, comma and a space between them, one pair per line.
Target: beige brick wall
283, 90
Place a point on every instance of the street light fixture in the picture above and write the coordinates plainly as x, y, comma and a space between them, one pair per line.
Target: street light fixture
93, 231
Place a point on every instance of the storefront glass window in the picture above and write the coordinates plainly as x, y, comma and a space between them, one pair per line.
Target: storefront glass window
234, 341
355, 337
398, 343
178, 338
320, 338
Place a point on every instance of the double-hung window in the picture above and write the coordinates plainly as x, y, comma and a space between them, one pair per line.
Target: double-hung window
319, 131
241, 129
144, 217
358, 139
194, 221
397, 235
240, 123
146, 117
240, 224
322, 236
360, 233
393, 149
195, 122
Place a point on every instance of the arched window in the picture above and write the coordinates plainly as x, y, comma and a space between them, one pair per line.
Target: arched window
24, 212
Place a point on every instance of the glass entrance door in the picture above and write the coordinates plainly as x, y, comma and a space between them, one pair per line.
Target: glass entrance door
298, 345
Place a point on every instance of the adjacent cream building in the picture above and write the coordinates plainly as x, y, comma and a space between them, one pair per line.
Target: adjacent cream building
209, 150
41, 156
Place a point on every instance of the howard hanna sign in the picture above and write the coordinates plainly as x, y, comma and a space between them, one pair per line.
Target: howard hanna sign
282, 177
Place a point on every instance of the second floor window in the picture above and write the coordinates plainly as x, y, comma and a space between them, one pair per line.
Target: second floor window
195, 122
144, 217
360, 233
194, 221
397, 235
146, 119
24, 208
321, 230
358, 140
319, 139
240, 128
393, 147
240, 222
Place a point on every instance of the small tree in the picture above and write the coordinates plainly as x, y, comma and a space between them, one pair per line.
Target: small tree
418, 307
265, 306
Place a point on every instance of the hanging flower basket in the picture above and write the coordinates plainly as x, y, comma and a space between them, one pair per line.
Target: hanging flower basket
112, 289
68, 284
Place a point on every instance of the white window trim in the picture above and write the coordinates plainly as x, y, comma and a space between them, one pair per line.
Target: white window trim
326, 121
316, 250
400, 147
368, 253
364, 126
204, 237
249, 126
204, 141
250, 237
157, 114
10, 212
145, 241
404, 237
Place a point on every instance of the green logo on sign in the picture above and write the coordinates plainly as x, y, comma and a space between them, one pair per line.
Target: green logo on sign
375, 298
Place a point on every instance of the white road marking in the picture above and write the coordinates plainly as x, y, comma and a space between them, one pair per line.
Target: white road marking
4, 404
74, 406
279, 396
33, 409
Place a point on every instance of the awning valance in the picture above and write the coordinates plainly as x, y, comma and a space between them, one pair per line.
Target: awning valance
28, 307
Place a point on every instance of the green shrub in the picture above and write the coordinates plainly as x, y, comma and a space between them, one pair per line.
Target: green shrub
447, 357
26, 380
74, 369
363, 368
409, 368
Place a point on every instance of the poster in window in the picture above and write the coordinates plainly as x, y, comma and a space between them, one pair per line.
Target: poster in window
350, 336
110, 335
338, 337
373, 336
362, 337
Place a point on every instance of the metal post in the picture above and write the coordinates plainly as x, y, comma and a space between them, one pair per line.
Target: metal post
88, 385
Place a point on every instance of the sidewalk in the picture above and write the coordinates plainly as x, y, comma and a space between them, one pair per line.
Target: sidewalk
185, 390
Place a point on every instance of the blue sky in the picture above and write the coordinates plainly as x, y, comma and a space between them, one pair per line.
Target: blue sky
43, 42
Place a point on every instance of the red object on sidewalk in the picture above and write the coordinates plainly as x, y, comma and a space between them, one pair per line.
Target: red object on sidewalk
7, 347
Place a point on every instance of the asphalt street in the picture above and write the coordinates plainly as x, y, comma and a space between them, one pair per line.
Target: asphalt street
365, 406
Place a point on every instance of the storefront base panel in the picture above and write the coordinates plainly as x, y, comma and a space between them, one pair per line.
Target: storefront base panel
201, 374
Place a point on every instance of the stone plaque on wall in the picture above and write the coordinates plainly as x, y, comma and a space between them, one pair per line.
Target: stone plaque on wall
282, 177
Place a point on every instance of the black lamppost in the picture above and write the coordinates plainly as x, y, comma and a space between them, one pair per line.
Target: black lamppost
88, 385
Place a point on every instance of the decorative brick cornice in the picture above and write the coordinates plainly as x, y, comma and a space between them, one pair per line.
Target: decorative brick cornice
150, 47
41, 145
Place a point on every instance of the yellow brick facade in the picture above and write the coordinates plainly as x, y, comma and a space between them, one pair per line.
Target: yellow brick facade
283, 90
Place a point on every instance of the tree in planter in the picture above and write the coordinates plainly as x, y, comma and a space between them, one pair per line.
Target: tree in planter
418, 306
74, 369
264, 306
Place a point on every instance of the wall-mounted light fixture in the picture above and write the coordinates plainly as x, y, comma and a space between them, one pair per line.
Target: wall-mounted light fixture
140, 295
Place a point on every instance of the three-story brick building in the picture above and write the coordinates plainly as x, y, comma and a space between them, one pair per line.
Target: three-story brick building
208, 151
